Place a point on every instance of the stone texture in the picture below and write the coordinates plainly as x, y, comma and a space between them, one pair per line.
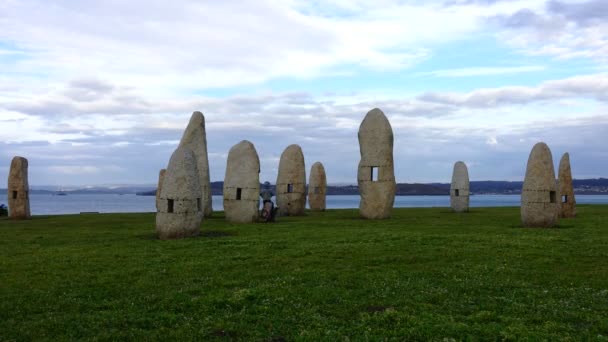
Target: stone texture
565, 188
459, 190
317, 187
539, 207
195, 138
242, 184
18, 190
291, 182
161, 177
180, 206
376, 146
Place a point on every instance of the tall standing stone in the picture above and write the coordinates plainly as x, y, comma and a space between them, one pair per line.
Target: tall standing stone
18, 190
161, 178
317, 187
180, 213
291, 182
459, 190
242, 184
376, 175
565, 188
539, 207
195, 138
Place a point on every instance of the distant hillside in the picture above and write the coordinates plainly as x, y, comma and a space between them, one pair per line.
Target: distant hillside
581, 186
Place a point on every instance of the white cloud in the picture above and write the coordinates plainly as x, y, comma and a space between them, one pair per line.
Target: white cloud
484, 71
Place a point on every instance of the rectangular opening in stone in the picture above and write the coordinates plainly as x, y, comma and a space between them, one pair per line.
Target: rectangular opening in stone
565, 199
289, 188
551, 196
456, 193
169, 205
14, 194
316, 190
198, 204
239, 191
374, 174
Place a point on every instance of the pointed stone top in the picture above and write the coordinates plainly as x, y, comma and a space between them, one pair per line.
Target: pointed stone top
564, 171
460, 175
540, 172
565, 158
293, 149
318, 165
195, 129
376, 118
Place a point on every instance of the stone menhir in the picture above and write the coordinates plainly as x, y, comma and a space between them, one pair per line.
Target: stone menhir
195, 138
18, 190
181, 211
376, 175
565, 188
291, 182
459, 190
317, 187
161, 177
242, 184
539, 207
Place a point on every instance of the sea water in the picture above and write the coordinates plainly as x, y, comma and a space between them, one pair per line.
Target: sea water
47, 204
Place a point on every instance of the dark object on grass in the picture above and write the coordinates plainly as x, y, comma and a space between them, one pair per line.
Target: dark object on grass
269, 212
3, 210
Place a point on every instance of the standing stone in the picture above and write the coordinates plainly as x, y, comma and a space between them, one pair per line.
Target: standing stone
317, 187
459, 190
376, 175
242, 184
195, 138
161, 177
291, 182
565, 188
539, 207
18, 190
180, 213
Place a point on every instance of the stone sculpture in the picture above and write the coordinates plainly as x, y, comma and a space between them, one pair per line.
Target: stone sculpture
291, 182
317, 187
181, 212
565, 188
161, 177
18, 190
242, 184
195, 138
459, 190
376, 175
539, 207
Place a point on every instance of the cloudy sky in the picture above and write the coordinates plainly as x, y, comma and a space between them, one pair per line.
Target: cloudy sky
100, 92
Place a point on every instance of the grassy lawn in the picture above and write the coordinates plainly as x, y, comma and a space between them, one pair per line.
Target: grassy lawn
424, 274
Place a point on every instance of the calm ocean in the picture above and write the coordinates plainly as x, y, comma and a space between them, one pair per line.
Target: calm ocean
74, 204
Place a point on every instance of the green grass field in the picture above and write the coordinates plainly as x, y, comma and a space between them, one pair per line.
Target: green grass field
424, 274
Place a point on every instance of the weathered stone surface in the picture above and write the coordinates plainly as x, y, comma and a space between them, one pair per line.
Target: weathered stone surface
242, 184
539, 207
195, 138
317, 187
459, 189
161, 178
180, 206
565, 188
18, 190
376, 175
291, 182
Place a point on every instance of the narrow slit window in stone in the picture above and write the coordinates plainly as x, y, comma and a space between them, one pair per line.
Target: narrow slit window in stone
239, 191
565, 198
14, 194
198, 204
289, 188
374, 174
169, 205
552, 196
456, 193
